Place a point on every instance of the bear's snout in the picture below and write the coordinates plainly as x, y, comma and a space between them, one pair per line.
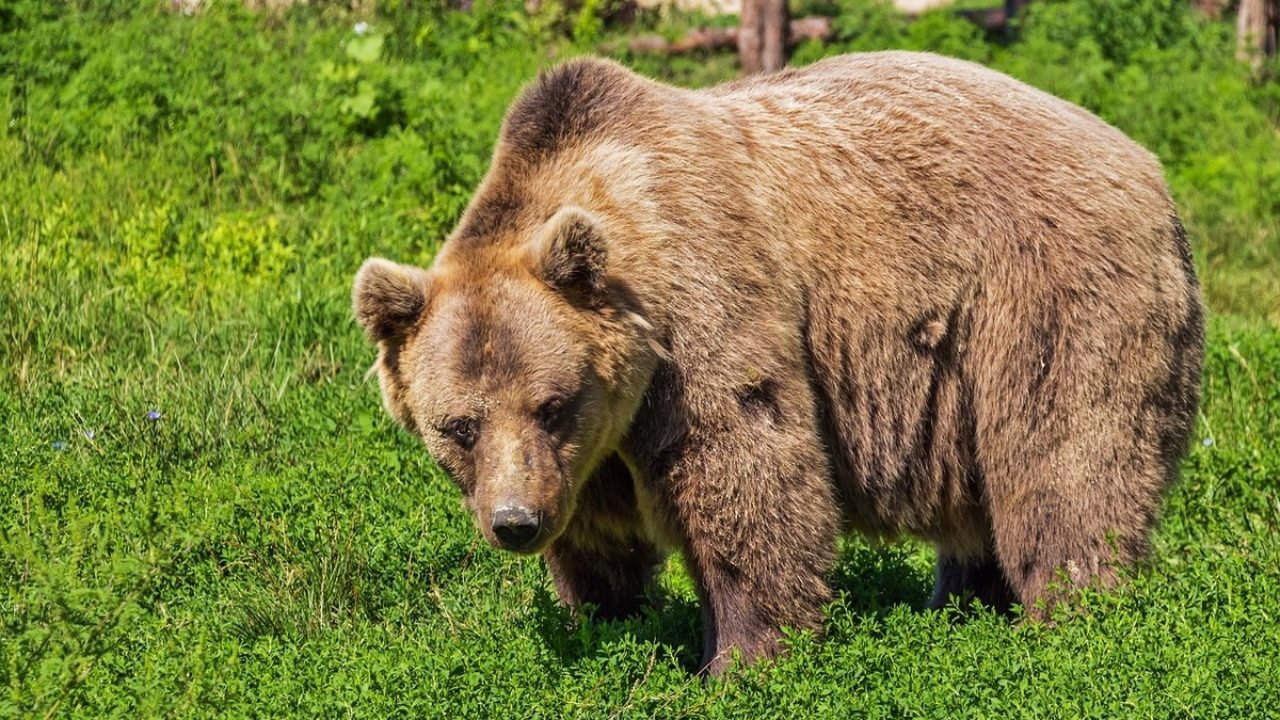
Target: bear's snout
516, 527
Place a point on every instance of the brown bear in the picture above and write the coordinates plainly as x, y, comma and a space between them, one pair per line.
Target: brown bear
889, 292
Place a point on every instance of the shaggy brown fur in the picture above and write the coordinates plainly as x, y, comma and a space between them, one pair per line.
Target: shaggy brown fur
890, 292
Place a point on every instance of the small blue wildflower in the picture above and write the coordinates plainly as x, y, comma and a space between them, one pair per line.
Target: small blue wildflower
89, 434
1207, 442
361, 27
154, 415
59, 445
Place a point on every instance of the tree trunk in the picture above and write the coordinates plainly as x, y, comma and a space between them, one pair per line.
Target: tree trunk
1272, 45
762, 36
805, 28
749, 40
773, 50
1012, 8
1209, 8
1257, 24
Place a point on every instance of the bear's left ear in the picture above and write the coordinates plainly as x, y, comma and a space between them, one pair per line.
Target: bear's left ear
569, 253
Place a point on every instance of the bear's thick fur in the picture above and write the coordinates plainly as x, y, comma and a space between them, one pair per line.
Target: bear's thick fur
890, 292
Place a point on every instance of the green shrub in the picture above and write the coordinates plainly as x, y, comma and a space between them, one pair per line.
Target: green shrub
1119, 28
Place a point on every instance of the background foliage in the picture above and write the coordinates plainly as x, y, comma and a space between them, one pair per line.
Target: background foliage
204, 511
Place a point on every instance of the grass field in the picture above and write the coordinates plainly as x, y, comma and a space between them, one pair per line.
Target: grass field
205, 512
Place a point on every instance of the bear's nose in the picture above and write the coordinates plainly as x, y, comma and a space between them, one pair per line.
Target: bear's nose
515, 527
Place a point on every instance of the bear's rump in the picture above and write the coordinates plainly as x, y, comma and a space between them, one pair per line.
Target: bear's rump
910, 383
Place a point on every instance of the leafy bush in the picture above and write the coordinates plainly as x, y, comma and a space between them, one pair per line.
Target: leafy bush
1119, 29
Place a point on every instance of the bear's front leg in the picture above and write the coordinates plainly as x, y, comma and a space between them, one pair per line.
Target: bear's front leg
759, 522
604, 556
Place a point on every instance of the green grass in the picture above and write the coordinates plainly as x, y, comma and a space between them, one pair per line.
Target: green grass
182, 205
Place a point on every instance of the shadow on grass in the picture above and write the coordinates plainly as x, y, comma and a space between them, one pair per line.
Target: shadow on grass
866, 581
671, 622
871, 580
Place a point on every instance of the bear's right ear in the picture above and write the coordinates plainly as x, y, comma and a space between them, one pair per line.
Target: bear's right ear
388, 297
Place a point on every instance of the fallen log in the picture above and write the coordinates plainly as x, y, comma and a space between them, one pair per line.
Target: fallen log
806, 28
989, 19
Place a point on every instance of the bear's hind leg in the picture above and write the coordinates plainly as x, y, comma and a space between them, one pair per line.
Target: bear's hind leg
1075, 516
1083, 398
965, 579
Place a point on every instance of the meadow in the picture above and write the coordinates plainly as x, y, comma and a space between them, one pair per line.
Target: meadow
204, 510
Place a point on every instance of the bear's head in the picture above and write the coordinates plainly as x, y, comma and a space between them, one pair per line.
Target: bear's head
519, 364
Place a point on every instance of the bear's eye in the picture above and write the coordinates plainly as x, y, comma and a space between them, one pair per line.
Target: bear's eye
551, 412
461, 431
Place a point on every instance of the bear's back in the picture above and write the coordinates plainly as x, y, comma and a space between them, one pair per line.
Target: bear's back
887, 89
915, 140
